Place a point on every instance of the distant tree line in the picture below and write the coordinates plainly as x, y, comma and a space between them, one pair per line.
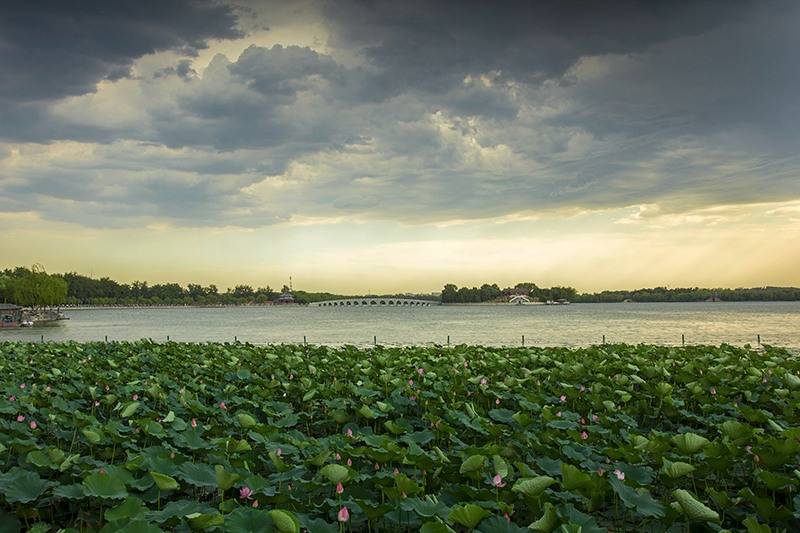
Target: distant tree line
493, 293
694, 294
32, 287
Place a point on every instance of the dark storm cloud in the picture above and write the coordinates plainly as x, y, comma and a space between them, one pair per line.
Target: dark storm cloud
415, 111
52, 49
433, 45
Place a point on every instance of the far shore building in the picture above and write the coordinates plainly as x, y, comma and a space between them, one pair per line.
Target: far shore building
10, 315
285, 298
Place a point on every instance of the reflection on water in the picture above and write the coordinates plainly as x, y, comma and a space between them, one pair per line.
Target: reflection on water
778, 323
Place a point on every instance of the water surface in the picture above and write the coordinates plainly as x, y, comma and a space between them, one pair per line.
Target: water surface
778, 323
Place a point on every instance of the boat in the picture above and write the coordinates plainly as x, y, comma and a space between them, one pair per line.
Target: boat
560, 301
26, 324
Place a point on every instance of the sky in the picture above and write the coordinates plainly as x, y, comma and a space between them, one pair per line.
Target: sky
371, 146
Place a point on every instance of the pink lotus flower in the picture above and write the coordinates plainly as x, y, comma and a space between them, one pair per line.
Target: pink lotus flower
396, 472
339, 488
582, 388
22, 386
344, 515
583, 421
12, 398
135, 397
558, 414
194, 423
484, 381
337, 456
465, 364
595, 418
20, 418
349, 432
497, 401
223, 406
620, 474
245, 493
508, 518
713, 391
600, 471
376, 466
349, 462
563, 398
410, 382
33, 424
584, 435
498, 482
97, 403
255, 504
421, 371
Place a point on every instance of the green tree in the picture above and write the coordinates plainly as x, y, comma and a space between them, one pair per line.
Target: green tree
449, 293
36, 288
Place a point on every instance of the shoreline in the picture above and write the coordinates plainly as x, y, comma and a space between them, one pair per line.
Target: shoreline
434, 303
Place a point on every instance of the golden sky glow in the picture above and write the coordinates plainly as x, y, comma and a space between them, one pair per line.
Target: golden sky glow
392, 147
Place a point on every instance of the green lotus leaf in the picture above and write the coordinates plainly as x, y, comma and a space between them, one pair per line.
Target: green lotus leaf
129, 409
472, 463
70, 492
533, 486
22, 486
752, 525
284, 521
694, 509
138, 526
405, 485
198, 474
335, 473
548, 521
572, 478
468, 515
248, 520
225, 480
641, 501
105, 485
210, 520
690, 443
130, 509
791, 380
164, 482
500, 466
435, 527
246, 420
91, 435
736, 431
428, 508
498, 524
676, 469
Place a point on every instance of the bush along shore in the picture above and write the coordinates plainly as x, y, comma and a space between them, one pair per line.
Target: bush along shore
233, 437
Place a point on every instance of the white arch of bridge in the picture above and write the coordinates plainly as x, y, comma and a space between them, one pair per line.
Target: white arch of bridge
360, 302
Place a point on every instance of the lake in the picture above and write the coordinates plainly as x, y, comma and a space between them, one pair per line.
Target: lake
778, 323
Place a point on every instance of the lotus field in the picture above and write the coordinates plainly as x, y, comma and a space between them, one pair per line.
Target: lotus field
234, 437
